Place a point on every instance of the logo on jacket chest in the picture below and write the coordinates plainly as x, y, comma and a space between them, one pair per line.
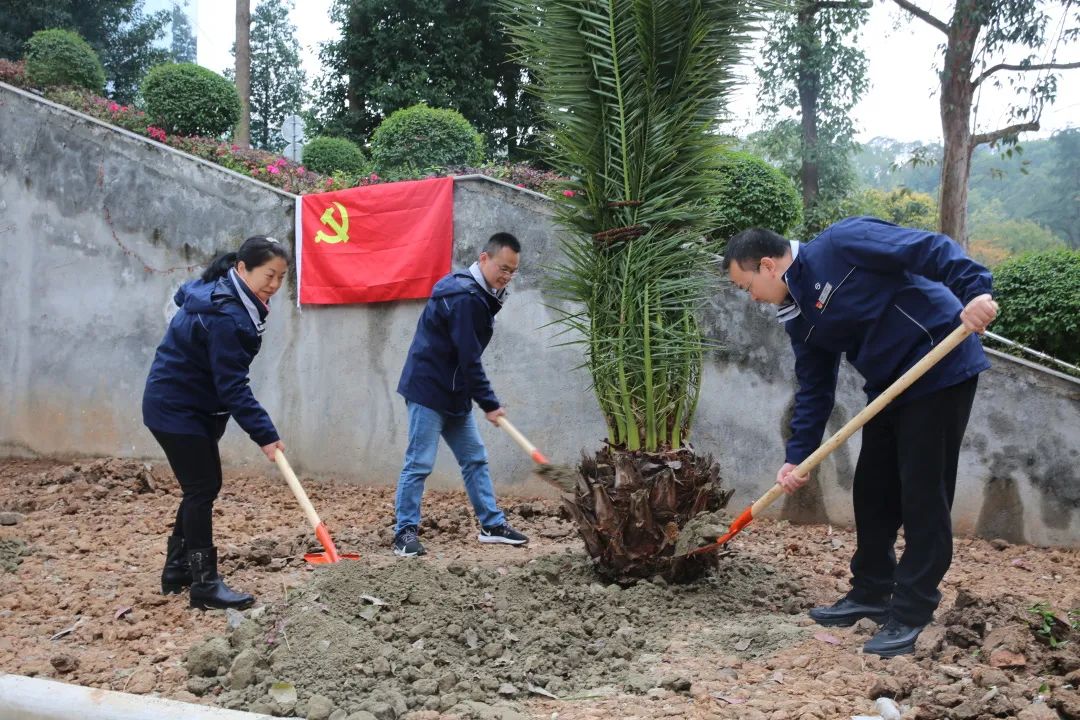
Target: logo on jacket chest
823, 298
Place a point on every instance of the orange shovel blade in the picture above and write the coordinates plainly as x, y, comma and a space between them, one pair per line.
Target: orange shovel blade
331, 555
740, 522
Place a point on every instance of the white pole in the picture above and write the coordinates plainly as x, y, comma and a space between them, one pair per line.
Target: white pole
26, 698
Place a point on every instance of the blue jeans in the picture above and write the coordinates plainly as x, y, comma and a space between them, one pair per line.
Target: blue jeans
460, 433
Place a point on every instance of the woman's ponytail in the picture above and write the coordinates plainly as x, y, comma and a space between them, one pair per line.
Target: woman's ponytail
219, 266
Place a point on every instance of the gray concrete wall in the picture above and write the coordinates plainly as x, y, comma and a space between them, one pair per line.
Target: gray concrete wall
99, 227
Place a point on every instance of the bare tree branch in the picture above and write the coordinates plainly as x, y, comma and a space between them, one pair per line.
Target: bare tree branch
1004, 132
1040, 66
923, 15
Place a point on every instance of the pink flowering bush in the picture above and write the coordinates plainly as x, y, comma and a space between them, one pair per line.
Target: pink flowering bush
13, 73
101, 108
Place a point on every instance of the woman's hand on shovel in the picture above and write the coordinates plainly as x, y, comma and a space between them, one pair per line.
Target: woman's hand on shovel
271, 449
788, 480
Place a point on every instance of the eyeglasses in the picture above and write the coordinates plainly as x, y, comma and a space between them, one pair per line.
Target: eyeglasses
750, 285
505, 270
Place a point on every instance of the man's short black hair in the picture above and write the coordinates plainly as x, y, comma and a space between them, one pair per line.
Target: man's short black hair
748, 247
501, 240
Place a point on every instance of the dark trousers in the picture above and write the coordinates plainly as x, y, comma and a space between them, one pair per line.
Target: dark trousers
906, 475
195, 461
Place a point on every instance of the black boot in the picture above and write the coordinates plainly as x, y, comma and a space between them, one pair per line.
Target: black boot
207, 588
177, 573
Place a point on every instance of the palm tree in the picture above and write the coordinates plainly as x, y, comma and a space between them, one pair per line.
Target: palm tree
632, 91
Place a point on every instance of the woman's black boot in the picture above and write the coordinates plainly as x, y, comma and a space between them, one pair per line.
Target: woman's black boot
177, 573
207, 588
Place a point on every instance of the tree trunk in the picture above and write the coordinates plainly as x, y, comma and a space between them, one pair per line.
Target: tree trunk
242, 135
510, 91
808, 81
957, 91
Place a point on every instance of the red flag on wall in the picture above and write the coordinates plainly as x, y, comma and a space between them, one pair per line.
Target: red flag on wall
375, 243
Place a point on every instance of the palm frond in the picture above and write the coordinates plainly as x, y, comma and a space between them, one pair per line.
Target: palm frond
632, 90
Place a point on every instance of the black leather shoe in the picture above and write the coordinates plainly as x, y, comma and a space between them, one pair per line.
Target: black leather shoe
894, 638
845, 612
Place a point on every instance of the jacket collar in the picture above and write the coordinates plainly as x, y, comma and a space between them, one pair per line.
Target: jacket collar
256, 309
478, 276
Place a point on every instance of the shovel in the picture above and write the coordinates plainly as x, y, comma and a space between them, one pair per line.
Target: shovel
563, 478
331, 555
803, 469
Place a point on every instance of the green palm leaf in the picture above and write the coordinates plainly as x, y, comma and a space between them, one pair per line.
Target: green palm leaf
632, 91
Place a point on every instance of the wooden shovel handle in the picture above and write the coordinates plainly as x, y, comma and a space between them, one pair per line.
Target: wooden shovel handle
297, 489
537, 456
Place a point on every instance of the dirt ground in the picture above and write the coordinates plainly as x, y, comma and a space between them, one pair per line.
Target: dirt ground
475, 631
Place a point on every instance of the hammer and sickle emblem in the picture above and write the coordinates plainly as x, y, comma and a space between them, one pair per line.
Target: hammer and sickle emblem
341, 230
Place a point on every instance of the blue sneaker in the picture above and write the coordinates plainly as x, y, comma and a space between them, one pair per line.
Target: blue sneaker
503, 534
407, 544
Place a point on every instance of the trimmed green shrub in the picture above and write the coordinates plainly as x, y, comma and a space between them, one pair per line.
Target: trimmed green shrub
1040, 303
188, 99
421, 138
328, 155
61, 57
753, 194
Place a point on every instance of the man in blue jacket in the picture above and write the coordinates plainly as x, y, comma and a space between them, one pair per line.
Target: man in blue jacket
441, 379
883, 296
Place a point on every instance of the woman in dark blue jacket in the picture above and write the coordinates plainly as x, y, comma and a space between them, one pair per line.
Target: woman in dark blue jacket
199, 379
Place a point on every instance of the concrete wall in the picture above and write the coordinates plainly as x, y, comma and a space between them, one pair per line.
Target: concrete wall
99, 227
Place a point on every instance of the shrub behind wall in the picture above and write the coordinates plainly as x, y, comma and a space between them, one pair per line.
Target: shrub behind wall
754, 194
1039, 294
420, 138
62, 58
328, 155
188, 99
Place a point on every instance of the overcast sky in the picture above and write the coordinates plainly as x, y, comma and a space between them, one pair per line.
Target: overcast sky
902, 101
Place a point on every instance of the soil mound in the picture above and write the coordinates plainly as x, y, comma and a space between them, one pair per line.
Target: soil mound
416, 635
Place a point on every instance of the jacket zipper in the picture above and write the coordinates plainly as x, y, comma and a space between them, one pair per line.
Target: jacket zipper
928, 335
453, 380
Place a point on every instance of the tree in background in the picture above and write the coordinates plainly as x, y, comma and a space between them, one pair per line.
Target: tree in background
977, 36
445, 53
242, 72
901, 206
184, 45
118, 30
1060, 209
277, 79
812, 65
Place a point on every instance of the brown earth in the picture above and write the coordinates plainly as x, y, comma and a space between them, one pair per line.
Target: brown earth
474, 631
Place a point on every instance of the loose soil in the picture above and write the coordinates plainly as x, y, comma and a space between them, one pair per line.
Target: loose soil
477, 631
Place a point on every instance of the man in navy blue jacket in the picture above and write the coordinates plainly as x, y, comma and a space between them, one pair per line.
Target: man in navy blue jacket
441, 379
883, 296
